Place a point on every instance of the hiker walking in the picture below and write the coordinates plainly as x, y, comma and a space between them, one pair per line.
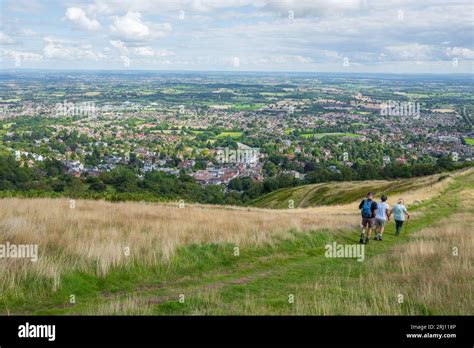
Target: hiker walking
381, 217
399, 212
367, 207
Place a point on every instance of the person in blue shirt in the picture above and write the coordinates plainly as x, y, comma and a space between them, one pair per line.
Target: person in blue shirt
367, 207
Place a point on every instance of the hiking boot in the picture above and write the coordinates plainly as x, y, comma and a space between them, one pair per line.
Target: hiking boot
380, 238
367, 240
361, 241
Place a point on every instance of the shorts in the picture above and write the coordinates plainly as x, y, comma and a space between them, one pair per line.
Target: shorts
379, 223
368, 222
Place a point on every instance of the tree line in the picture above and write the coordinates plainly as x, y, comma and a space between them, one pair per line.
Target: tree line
48, 178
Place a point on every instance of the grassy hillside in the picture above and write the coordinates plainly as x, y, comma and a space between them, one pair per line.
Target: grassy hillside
340, 192
133, 258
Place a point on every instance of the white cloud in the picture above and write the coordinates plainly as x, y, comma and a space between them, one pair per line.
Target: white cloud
132, 28
329, 54
314, 8
460, 52
120, 46
26, 32
321, 34
150, 52
125, 61
414, 52
139, 51
109, 7
211, 5
144, 51
67, 50
78, 16
21, 55
5, 39
164, 53
276, 59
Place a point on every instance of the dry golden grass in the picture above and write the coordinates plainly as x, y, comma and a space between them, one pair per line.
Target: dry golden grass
96, 235
132, 305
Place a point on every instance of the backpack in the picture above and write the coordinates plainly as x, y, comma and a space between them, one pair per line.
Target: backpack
366, 209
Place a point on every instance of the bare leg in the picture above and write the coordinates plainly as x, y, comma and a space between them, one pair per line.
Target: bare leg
382, 228
362, 233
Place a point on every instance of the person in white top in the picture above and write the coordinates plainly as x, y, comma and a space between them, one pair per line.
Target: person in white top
381, 217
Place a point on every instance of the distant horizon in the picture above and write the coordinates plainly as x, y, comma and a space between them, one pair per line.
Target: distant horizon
234, 71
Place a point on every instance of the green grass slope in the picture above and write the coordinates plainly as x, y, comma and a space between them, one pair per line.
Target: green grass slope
340, 192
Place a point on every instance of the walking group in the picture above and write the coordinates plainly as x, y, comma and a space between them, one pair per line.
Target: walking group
379, 214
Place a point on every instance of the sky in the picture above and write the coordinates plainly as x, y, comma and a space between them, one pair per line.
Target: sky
375, 36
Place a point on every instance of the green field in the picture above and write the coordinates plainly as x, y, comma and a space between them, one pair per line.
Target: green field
171, 91
246, 107
92, 94
321, 135
197, 132
234, 135
469, 141
11, 100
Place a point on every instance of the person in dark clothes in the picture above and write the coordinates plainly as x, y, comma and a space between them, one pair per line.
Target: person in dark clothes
368, 208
